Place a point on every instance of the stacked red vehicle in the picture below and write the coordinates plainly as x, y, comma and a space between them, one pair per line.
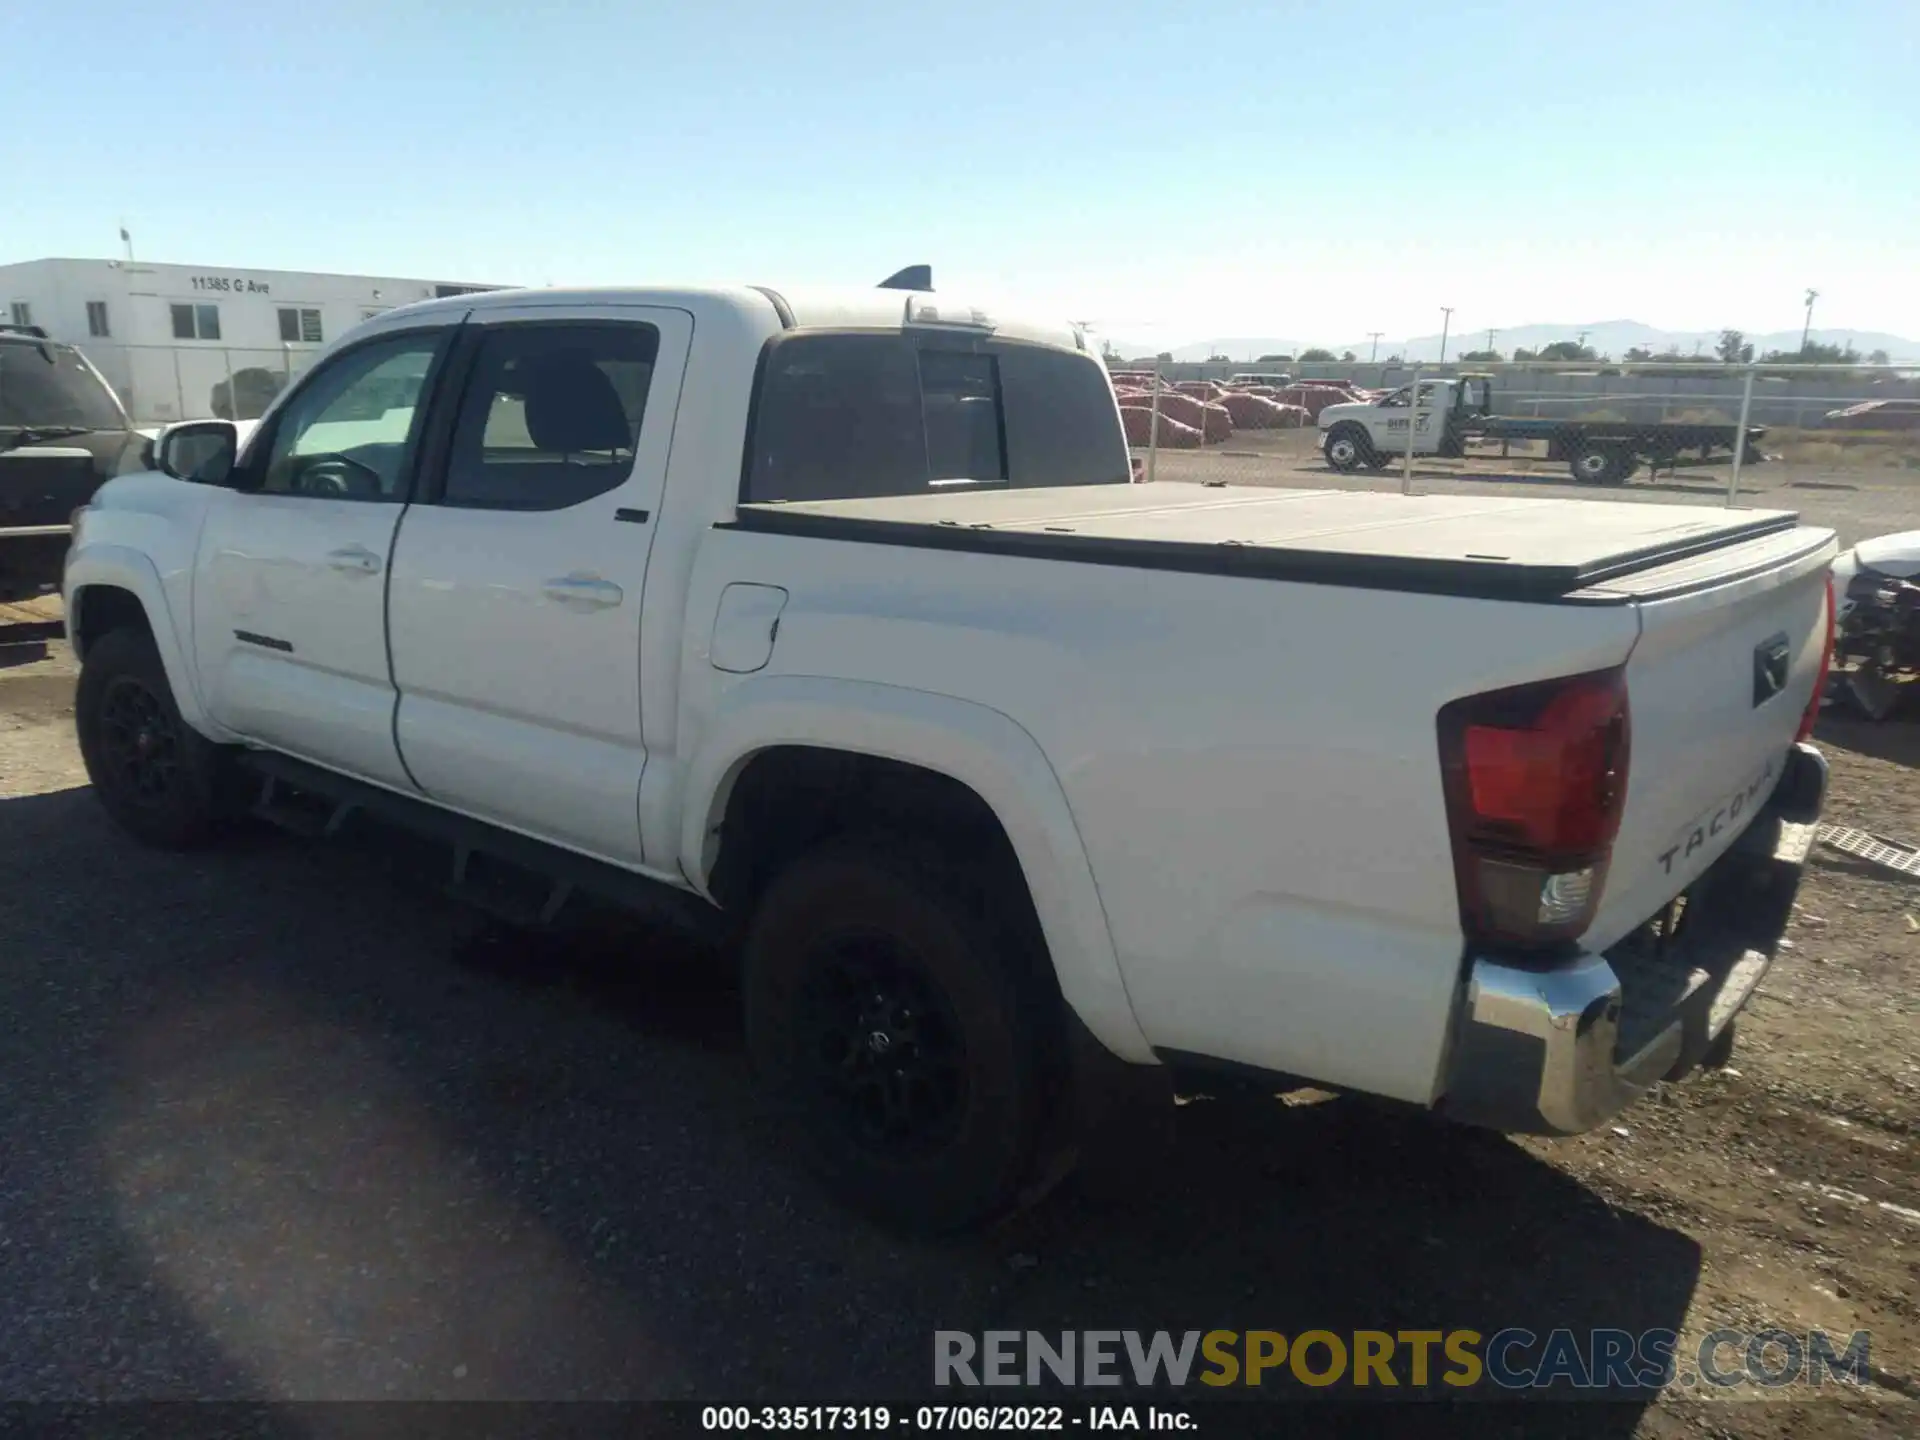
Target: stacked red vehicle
1194, 413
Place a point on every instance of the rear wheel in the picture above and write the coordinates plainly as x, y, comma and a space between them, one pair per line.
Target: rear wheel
1348, 447
1599, 463
902, 1032
161, 780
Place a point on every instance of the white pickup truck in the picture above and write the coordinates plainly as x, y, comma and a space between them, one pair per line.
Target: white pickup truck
834, 623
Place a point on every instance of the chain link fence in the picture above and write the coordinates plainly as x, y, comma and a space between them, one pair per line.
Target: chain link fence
1841, 443
162, 383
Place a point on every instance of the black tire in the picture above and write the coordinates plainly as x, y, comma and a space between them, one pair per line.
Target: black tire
1596, 462
1377, 461
162, 781
901, 1029
1348, 447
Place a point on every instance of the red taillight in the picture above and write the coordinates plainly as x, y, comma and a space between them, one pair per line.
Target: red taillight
1808, 720
1536, 780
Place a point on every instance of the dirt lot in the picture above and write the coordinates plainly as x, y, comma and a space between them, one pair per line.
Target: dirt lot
281, 1123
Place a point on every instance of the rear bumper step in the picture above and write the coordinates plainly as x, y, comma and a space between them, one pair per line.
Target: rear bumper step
1558, 1051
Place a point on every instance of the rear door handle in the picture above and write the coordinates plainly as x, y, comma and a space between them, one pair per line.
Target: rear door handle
583, 592
355, 560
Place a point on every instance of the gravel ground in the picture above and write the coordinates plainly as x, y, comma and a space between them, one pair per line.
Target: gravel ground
281, 1123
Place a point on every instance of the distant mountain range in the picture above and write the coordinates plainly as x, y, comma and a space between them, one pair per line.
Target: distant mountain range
1608, 337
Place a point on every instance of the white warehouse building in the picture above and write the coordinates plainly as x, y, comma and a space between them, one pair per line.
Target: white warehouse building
174, 340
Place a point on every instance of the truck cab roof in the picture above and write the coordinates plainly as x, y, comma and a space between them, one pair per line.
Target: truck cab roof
809, 308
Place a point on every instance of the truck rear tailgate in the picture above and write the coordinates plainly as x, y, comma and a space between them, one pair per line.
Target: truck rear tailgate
1717, 684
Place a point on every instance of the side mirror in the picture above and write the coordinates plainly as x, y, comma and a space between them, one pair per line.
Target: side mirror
202, 451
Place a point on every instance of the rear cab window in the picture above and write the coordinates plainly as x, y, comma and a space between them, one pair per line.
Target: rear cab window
858, 416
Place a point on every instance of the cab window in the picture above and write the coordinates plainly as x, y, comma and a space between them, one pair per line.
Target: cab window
552, 415
349, 432
858, 416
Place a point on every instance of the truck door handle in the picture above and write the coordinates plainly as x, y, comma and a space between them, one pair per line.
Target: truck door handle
355, 560
583, 592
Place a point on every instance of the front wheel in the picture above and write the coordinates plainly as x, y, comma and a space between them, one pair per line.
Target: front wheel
158, 778
902, 1032
1347, 448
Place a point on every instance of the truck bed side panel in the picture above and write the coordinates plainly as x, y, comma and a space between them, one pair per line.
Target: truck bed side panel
1252, 765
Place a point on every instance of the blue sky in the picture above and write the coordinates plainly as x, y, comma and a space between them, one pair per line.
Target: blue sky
1170, 170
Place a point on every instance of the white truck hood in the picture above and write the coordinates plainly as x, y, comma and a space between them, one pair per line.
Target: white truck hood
1345, 410
1897, 555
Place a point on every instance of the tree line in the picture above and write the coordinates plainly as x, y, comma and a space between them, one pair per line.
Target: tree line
1732, 348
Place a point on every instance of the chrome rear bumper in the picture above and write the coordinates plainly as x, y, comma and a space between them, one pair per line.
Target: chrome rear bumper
1559, 1050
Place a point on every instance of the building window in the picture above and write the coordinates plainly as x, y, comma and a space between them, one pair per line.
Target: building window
22, 313
196, 322
97, 319
299, 327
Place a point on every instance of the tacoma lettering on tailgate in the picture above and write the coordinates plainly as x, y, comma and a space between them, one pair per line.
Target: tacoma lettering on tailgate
1709, 826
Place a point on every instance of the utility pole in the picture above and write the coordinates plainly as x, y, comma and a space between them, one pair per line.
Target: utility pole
1490, 334
1374, 354
1445, 325
1807, 330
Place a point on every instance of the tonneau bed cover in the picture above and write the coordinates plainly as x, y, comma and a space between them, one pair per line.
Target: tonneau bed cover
1490, 547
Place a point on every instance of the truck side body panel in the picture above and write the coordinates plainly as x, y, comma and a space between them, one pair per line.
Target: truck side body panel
1223, 786
1257, 792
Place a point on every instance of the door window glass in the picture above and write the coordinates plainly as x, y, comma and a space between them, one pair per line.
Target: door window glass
348, 433
552, 415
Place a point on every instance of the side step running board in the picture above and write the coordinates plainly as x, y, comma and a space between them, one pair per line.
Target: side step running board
500, 901
297, 814
312, 802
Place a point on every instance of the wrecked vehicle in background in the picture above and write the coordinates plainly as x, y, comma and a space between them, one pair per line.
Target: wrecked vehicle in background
1875, 415
1876, 592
